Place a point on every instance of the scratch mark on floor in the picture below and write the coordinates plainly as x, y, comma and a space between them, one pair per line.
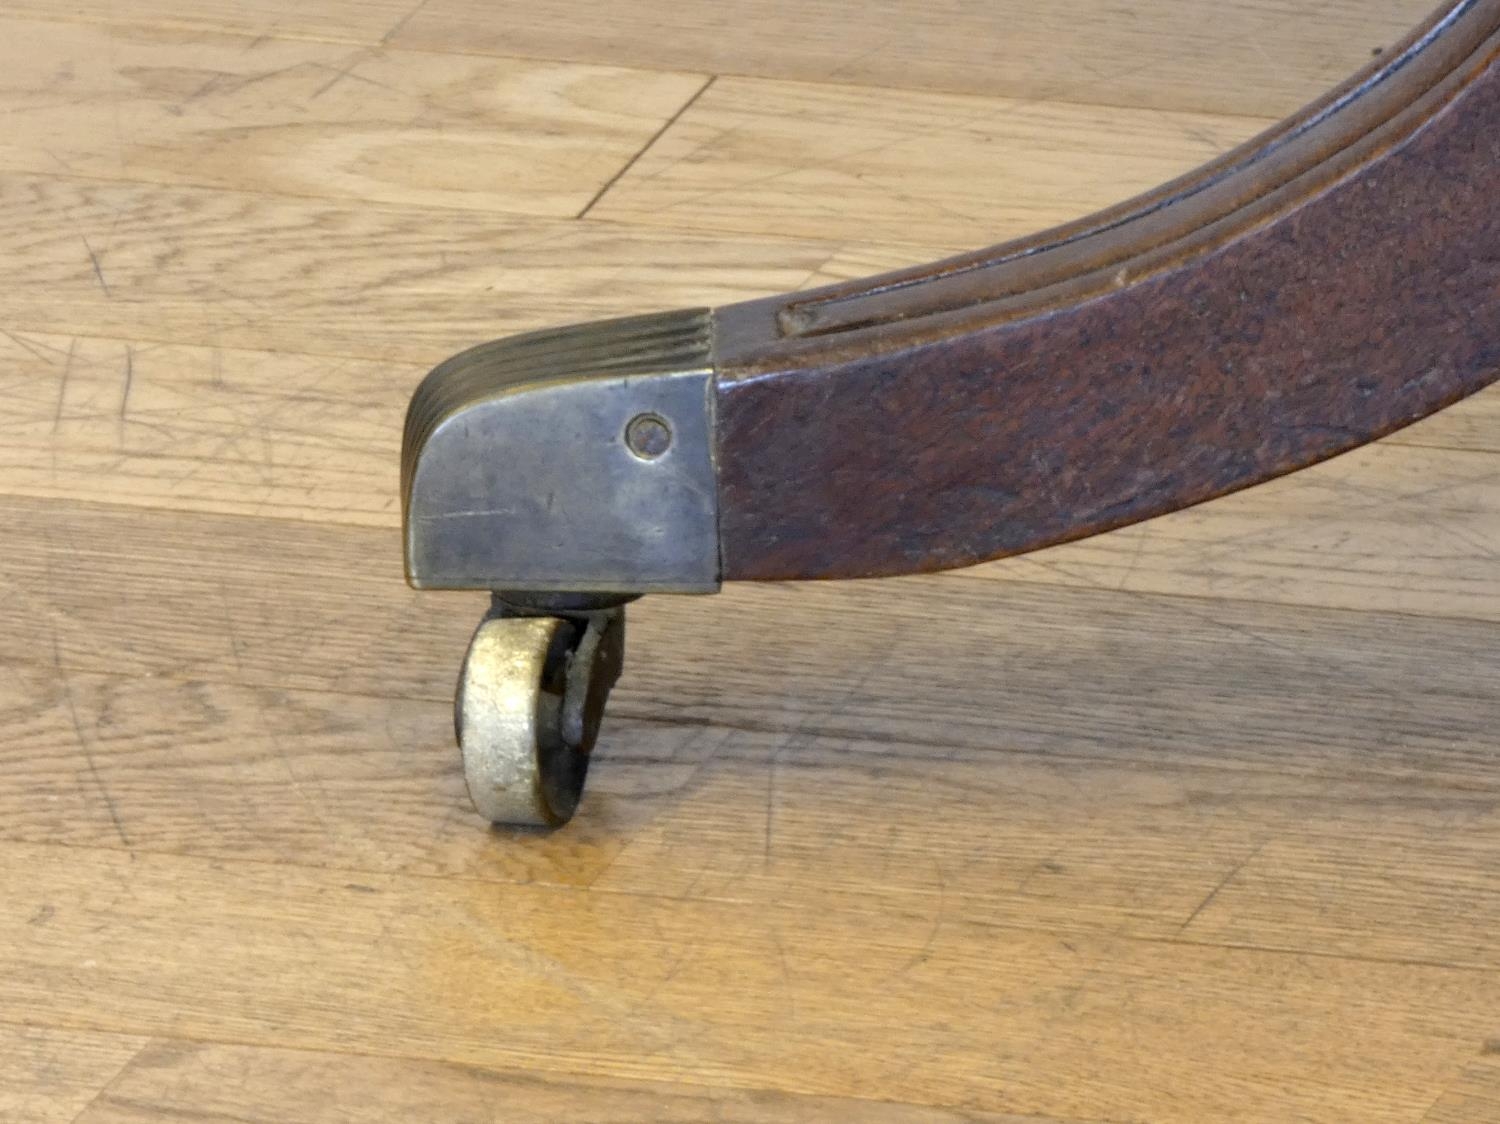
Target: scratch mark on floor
85, 746
129, 379
401, 23
1225, 881
217, 77
648, 146
62, 387
29, 348
98, 273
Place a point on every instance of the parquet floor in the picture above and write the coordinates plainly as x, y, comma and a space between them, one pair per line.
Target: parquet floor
1196, 822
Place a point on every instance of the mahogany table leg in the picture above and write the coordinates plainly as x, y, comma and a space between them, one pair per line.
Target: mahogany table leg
1332, 281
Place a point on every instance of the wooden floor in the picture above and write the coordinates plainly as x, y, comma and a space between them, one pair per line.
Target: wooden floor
1196, 822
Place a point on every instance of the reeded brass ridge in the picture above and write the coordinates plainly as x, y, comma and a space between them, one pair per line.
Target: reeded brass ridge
567, 460
1329, 282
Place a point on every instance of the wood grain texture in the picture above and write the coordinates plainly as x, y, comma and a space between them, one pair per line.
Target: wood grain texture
197, 428
848, 162
50, 1076
338, 21
168, 264
1111, 767
1324, 315
318, 119
207, 1083
516, 979
1475, 1096
1422, 541
1256, 57
1194, 823
1252, 56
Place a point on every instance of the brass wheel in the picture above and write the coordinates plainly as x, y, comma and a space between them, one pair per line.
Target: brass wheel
530, 699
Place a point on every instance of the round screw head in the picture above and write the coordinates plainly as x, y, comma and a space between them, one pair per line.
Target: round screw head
648, 436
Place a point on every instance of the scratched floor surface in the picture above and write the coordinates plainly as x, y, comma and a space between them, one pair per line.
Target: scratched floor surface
1196, 822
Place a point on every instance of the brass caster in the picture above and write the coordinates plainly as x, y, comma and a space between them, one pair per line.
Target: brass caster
530, 700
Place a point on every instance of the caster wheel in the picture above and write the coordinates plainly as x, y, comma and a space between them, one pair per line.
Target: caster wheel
530, 699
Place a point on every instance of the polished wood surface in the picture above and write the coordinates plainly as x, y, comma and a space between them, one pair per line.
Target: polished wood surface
1199, 821
1325, 285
